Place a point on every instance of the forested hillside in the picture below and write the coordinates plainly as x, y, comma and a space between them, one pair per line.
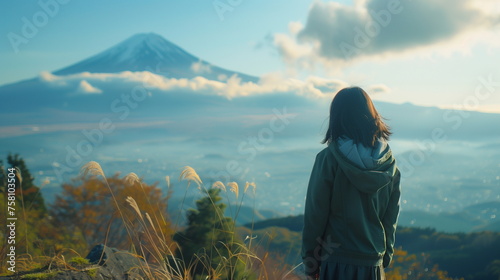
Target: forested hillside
469, 255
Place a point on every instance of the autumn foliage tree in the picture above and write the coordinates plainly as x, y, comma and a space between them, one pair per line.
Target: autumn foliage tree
114, 211
407, 266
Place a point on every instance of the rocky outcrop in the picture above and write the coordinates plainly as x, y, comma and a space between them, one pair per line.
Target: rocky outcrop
104, 263
114, 264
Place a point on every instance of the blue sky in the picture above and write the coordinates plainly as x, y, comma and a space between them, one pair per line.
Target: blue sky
431, 53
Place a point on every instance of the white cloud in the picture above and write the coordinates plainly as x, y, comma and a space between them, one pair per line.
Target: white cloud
49, 78
85, 83
295, 27
337, 33
200, 67
326, 86
84, 87
222, 77
378, 89
291, 50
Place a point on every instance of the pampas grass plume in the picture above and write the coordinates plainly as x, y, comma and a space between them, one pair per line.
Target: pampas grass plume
188, 173
93, 168
233, 186
132, 178
131, 201
167, 179
19, 175
219, 185
247, 184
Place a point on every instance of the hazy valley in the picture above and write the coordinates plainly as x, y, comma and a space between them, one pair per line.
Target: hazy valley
151, 119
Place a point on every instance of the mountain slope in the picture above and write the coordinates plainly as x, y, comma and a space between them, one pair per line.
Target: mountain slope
467, 220
151, 52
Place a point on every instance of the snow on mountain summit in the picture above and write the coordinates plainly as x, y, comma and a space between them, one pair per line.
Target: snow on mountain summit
150, 52
145, 44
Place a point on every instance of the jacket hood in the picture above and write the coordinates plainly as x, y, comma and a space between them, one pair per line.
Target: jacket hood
368, 169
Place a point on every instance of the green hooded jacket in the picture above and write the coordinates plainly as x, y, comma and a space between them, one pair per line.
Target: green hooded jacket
351, 212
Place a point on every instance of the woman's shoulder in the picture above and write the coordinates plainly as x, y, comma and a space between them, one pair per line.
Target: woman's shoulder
326, 154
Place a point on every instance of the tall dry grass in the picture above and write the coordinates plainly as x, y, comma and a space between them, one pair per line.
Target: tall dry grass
160, 258
158, 251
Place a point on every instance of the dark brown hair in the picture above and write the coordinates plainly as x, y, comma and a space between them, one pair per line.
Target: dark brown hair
353, 114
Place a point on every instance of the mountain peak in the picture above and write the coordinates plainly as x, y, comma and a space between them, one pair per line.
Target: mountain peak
150, 46
145, 38
150, 37
150, 52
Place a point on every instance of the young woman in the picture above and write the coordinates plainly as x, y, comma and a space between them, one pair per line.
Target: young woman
352, 203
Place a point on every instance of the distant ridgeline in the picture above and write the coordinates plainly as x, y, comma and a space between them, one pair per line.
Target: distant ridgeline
477, 217
472, 255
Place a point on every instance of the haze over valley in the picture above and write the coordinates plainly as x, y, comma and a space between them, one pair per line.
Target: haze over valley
147, 106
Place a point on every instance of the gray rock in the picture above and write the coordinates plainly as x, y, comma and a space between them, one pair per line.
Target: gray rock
114, 264
106, 264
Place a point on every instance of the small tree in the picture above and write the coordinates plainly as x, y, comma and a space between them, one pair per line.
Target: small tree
209, 243
3, 177
26, 188
34, 233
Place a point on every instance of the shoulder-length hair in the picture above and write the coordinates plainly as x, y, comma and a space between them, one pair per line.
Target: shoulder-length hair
353, 114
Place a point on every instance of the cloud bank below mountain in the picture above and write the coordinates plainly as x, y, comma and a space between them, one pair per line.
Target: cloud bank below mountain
91, 83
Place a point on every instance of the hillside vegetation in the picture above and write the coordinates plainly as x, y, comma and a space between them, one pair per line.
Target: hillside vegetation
130, 215
473, 255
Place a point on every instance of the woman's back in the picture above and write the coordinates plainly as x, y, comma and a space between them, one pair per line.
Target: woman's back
352, 204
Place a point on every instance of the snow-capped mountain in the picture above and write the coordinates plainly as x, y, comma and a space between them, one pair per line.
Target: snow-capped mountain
153, 53
130, 63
